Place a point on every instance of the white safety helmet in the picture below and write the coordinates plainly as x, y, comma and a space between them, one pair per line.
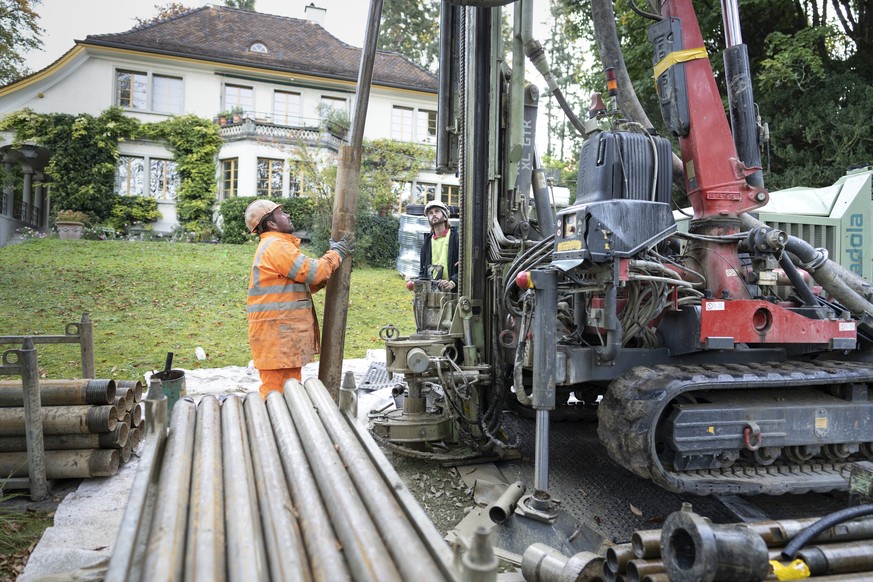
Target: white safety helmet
257, 210
436, 204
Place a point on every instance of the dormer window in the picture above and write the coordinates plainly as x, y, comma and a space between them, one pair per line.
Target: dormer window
259, 47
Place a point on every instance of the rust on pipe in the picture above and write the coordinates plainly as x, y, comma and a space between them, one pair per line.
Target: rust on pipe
165, 551
362, 543
325, 558
60, 392
285, 551
411, 556
246, 555
75, 464
61, 419
204, 553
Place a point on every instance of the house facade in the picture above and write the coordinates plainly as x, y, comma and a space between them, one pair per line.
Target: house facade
280, 76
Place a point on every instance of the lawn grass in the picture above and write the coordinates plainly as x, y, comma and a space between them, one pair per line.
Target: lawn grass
149, 298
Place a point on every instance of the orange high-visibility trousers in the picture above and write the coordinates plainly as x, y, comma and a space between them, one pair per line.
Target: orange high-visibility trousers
275, 379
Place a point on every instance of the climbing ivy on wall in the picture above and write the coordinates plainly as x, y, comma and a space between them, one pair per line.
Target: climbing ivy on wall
81, 171
195, 144
84, 148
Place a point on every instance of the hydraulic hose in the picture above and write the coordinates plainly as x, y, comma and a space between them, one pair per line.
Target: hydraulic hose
837, 281
828, 521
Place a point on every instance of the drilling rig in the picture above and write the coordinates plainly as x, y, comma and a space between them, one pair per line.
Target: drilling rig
733, 358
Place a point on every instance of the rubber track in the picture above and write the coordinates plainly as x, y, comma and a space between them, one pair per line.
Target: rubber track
630, 410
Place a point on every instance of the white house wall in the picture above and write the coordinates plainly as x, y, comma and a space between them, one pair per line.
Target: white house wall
84, 82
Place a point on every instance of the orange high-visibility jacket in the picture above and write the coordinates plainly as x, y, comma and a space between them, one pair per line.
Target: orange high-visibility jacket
283, 329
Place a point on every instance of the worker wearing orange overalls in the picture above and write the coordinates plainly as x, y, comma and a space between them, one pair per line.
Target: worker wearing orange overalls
283, 328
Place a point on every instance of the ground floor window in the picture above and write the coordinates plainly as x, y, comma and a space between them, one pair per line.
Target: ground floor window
133, 173
450, 195
270, 177
229, 179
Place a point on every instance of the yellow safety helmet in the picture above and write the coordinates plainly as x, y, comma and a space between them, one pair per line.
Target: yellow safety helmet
257, 210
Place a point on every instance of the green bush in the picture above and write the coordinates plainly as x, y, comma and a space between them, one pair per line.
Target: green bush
233, 220
233, 215
129, 210
378, 242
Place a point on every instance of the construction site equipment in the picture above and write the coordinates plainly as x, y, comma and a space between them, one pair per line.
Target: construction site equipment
61, 392
75, 464
729, 359
333, 485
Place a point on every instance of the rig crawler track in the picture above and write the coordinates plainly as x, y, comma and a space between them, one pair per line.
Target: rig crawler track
797, 408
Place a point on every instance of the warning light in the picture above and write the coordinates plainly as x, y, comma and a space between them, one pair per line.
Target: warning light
611, 83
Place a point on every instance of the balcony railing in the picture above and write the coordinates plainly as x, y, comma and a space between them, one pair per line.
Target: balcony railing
265, 131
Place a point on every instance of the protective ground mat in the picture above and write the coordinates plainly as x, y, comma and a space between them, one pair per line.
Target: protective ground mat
613, 502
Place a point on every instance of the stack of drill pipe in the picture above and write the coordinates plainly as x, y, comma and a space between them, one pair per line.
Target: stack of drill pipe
87, 427
276, 490
845, 550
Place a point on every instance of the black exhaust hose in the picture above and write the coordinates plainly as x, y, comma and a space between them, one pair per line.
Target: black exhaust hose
828, 521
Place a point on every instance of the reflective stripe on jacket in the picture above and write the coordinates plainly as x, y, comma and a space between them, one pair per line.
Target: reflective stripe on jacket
283, 329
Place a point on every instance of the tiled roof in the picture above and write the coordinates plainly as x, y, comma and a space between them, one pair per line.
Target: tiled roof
225, 35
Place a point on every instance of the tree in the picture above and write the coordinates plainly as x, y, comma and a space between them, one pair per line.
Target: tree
241, 4
19, 33
409, 28
163, 12
811, 79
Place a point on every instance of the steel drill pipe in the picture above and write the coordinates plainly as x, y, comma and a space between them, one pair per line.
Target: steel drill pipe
326, 561
138, 388
246, 554
136, 436
546, 564
639, 568
646, 543
61, 419
504, 506
844, 558
204, 552
285, 551
125, 452
67, 442
76, 464
695, 550
165, 552
411, 556
618, 556
123, 400
60, 392
136, 414
362, 544
125, 419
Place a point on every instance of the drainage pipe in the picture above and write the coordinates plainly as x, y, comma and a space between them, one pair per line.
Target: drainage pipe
60, 392
410, 554
165, 553
362, 544
246, 554
325, 559
61, 420
285, 552
204, 552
